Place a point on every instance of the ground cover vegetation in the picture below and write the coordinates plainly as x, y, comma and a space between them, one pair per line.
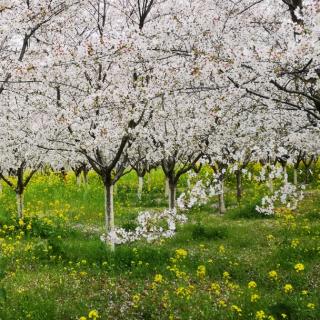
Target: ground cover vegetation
240, 265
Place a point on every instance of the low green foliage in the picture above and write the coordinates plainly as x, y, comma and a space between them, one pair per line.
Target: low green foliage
202, 232
237, 266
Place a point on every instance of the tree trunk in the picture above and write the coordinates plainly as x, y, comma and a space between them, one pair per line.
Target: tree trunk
306, 176
222, 205
63, 174
270, 184
20, 204
78, 179
166, 192
269, 181
115, 189
109, 214
172, 196
295, 176
85, 177
19, 191
239, 185
140, 187
285, 174
189, 183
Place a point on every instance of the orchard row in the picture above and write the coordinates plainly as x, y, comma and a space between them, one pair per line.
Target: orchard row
116, 85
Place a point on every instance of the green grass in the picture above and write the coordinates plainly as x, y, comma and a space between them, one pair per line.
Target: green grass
57, 268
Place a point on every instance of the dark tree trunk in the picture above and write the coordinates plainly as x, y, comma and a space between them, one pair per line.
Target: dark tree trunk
172, 195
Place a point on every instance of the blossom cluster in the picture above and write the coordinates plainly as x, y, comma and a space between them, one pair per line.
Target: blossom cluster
150, 226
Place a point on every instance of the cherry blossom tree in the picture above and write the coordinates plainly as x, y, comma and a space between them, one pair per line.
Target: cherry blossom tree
20, 156
23, 51
105, 90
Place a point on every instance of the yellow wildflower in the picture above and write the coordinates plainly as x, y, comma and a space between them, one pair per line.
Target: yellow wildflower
252, 285
158, 278
185, 291
233, 286
311, 305
181, 253
226, 275
295, 243
288, 288
236, 309
201, 271
260, 315
136, 298
270, 237
215, 287
254, 297
222, 303
299, 267
93, 314
273, 275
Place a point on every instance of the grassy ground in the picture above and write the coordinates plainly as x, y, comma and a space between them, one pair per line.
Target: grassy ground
237, 266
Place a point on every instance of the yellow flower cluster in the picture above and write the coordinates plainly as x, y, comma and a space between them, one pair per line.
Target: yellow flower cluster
295, 243
7, 249
311, 306
93, 314
179, 274
222, 303
261, 315
136, 299
254, 297
299, 267
215, 287
201, 271
158, 278
222, 249
288, 288
236, 309
270, 237
226, 275
252, 285
181, 253
273, 275
185, 292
